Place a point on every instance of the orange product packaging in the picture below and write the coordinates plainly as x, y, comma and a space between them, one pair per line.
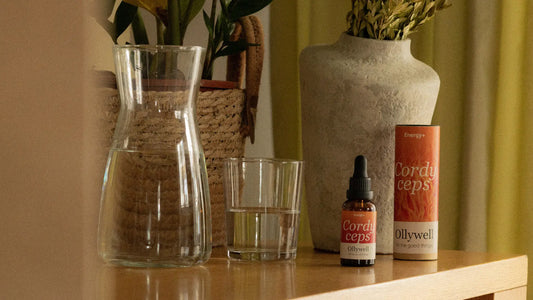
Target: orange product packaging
416, 192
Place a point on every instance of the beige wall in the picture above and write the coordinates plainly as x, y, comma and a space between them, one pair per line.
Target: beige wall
41, 97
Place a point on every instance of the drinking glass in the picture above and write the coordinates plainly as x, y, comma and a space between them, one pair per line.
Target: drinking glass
262, 208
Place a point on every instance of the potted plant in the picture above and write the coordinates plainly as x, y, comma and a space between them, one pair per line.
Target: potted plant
225, 110
173, 17
354, 92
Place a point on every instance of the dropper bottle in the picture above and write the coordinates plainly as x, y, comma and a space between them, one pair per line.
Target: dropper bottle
358, 223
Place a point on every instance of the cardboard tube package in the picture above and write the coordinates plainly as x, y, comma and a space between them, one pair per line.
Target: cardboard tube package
416, 192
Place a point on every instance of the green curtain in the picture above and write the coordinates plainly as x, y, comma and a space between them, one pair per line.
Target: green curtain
294, 25
483, 53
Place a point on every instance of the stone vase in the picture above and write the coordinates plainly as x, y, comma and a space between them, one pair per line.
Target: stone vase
353, 93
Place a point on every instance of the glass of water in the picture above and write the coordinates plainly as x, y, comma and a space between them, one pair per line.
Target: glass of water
262, 208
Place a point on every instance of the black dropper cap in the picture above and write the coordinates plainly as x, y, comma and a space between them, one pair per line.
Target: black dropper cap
360, 183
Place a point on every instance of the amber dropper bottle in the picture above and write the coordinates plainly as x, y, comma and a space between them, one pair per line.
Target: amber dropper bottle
358, 234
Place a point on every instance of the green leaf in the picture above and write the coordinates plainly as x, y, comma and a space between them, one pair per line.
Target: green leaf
180, 14
233, 47
242, 8
157, 8
190, 9
123, 17
218, 29
139, 31
208, 23
223, 8
173, 29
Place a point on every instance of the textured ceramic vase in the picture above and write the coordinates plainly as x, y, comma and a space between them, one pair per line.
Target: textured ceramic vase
354, 92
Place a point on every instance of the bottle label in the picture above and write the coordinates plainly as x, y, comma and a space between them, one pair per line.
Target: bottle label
416, 237
358, 235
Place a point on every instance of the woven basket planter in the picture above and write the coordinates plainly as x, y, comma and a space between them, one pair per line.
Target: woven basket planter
219, 116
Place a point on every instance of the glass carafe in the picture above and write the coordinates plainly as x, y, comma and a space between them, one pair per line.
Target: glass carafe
155, 209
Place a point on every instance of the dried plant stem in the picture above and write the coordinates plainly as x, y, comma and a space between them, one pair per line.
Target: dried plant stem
390, 19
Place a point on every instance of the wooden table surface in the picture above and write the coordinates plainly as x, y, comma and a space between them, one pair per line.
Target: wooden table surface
314, 275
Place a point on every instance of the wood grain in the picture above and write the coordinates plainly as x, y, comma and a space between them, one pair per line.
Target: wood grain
318, 275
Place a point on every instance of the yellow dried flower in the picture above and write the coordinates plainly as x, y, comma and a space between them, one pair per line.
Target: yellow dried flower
390, 19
